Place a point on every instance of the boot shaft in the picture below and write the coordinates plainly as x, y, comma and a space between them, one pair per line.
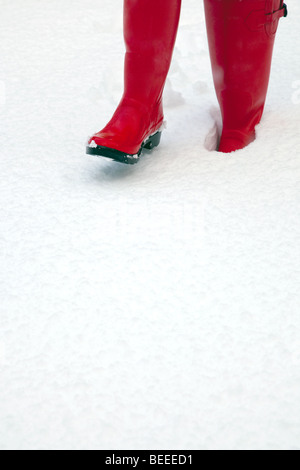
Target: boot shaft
150, 29
241, 37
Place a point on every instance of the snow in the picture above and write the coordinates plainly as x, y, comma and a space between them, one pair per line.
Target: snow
92, 144
153, 305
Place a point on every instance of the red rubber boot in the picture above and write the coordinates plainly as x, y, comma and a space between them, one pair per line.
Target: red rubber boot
241, 36
150, 28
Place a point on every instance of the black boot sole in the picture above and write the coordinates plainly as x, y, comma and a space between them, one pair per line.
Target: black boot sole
100, 151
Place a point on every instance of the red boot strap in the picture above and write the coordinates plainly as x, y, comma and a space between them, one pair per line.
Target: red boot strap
259, 18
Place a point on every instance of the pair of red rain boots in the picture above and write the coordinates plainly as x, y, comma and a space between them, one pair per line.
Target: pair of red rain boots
241, 36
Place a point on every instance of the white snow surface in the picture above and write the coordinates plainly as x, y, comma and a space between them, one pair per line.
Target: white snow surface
154, 306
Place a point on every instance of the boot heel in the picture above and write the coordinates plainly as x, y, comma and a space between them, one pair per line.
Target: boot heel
152, 141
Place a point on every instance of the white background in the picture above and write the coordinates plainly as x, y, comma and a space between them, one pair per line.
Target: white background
148, 306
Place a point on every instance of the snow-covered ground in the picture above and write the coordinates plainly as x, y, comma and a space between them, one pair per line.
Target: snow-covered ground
148, 306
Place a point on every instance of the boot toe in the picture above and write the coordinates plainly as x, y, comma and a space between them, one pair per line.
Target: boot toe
234, 140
